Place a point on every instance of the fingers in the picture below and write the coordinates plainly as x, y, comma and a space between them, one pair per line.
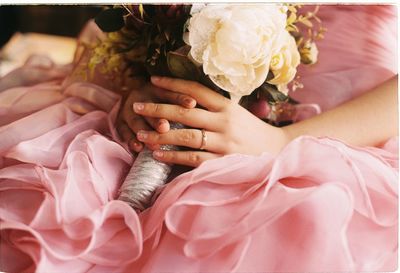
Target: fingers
133, 143
132, 123
203, 95
137, 123
124, 132
149, 93
192, 138
189, 158
129, 137
174, 98
160, 125
195, 117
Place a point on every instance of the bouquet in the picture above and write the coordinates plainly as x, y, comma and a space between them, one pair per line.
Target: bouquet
248, 52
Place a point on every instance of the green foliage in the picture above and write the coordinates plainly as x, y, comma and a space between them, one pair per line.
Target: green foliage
272, 94
182, 67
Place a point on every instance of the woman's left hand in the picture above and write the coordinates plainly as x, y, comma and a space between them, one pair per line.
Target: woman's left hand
129, 122
224, 127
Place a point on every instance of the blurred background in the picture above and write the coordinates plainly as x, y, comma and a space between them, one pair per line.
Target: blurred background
49, 30
64, 20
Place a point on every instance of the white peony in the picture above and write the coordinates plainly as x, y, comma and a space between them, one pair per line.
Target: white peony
235, 43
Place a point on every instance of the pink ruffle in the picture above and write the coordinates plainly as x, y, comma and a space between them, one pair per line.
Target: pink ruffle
319, 206
59, 179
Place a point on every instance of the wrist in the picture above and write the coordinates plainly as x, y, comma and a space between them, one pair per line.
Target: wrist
276, 139
288, 134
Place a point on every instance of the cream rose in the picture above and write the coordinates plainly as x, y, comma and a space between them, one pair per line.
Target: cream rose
235, 43
284, 62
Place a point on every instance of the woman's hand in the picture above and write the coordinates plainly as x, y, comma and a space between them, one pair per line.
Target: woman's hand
228, 127
129, 123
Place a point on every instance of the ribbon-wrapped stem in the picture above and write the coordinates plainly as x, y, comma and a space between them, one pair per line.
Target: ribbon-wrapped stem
145, 176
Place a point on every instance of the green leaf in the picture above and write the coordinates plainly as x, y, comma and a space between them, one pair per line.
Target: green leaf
182, 67
273, 95
110, 20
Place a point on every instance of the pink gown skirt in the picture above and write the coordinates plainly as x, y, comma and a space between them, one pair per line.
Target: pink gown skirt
319, 206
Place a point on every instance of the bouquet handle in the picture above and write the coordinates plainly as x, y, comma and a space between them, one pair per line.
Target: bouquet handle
145, 176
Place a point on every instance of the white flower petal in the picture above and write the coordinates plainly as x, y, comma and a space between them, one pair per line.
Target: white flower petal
235, 44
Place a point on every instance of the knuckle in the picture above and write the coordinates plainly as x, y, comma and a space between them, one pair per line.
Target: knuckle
229, 125
171, 156
225, 120
228, 107
186, 137
194, 85
229, 147
150, 139
194, 158
156, 108
154, 138
183, 111
192, 134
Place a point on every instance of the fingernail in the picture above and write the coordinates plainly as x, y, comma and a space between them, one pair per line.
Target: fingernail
137, 106
188, 101
155, 78
142, 135
137, 146
158, 153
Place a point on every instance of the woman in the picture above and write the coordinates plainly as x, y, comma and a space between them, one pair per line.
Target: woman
278, 202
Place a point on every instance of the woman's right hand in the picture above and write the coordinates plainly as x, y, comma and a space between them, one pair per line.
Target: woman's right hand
129, 122
219, 128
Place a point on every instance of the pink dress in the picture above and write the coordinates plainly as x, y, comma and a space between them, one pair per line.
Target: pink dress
319, 206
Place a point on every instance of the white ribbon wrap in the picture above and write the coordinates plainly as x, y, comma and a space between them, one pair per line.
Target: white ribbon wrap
145, 176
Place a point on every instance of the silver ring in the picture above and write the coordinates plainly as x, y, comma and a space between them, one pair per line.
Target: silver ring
203, 139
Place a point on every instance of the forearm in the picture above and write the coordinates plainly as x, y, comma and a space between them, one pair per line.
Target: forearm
367, 120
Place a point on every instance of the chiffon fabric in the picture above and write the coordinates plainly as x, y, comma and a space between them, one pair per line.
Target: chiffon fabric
319, 206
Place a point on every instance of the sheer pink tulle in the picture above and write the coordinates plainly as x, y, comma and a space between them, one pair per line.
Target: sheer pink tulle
320, 205
359, 51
